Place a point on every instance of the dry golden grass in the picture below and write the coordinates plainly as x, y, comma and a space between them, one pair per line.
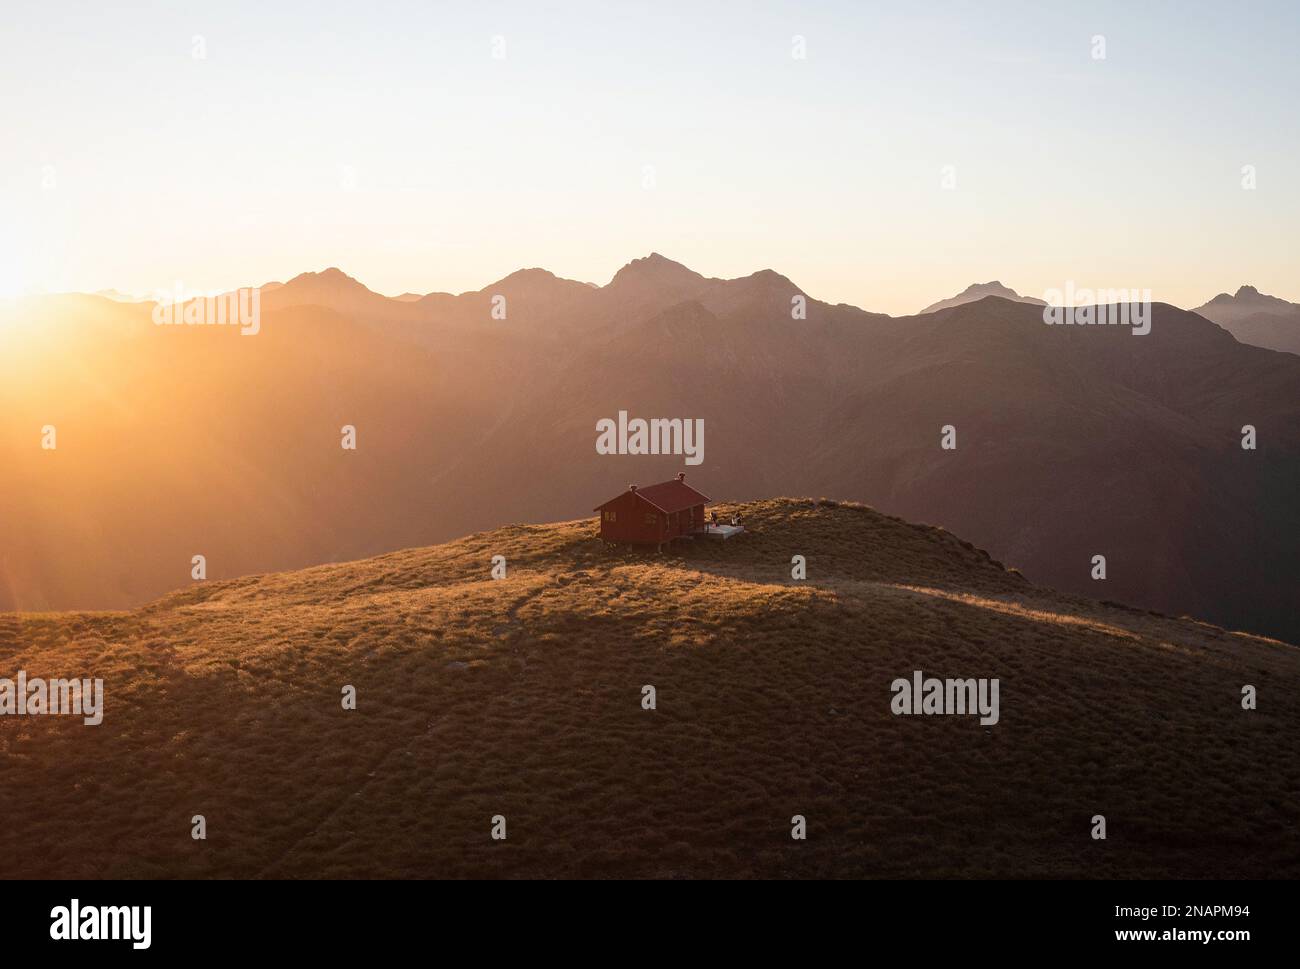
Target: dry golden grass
522, 697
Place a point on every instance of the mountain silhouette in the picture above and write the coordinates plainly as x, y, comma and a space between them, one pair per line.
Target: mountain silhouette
1072, 442
1257, 319
976, 291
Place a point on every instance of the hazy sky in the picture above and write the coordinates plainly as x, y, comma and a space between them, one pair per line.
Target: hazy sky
388, 140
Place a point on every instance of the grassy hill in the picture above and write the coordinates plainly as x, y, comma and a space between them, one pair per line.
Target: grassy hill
522, 697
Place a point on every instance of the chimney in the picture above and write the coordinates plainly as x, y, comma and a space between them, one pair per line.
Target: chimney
681, 475
631, 487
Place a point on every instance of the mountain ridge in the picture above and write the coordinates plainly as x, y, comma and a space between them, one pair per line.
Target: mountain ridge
977, 291
1256, 318
1071, 441
656, 269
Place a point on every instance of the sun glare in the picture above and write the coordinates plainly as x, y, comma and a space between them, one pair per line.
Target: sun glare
13, 282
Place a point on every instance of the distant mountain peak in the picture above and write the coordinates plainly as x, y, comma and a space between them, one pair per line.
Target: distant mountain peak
119, 297
654, 269
992, 288
538, 286
1248, 296
979, 291
1256, 318
333, 276
770, 276
655, 259
520, 275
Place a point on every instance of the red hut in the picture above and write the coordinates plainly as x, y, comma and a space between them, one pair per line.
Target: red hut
655, 514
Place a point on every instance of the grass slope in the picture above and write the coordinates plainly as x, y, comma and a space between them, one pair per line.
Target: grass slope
521, 697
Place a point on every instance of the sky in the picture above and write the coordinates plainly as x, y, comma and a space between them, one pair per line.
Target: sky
913, 149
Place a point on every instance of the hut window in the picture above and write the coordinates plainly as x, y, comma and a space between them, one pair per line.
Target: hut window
651, 519
611, 516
